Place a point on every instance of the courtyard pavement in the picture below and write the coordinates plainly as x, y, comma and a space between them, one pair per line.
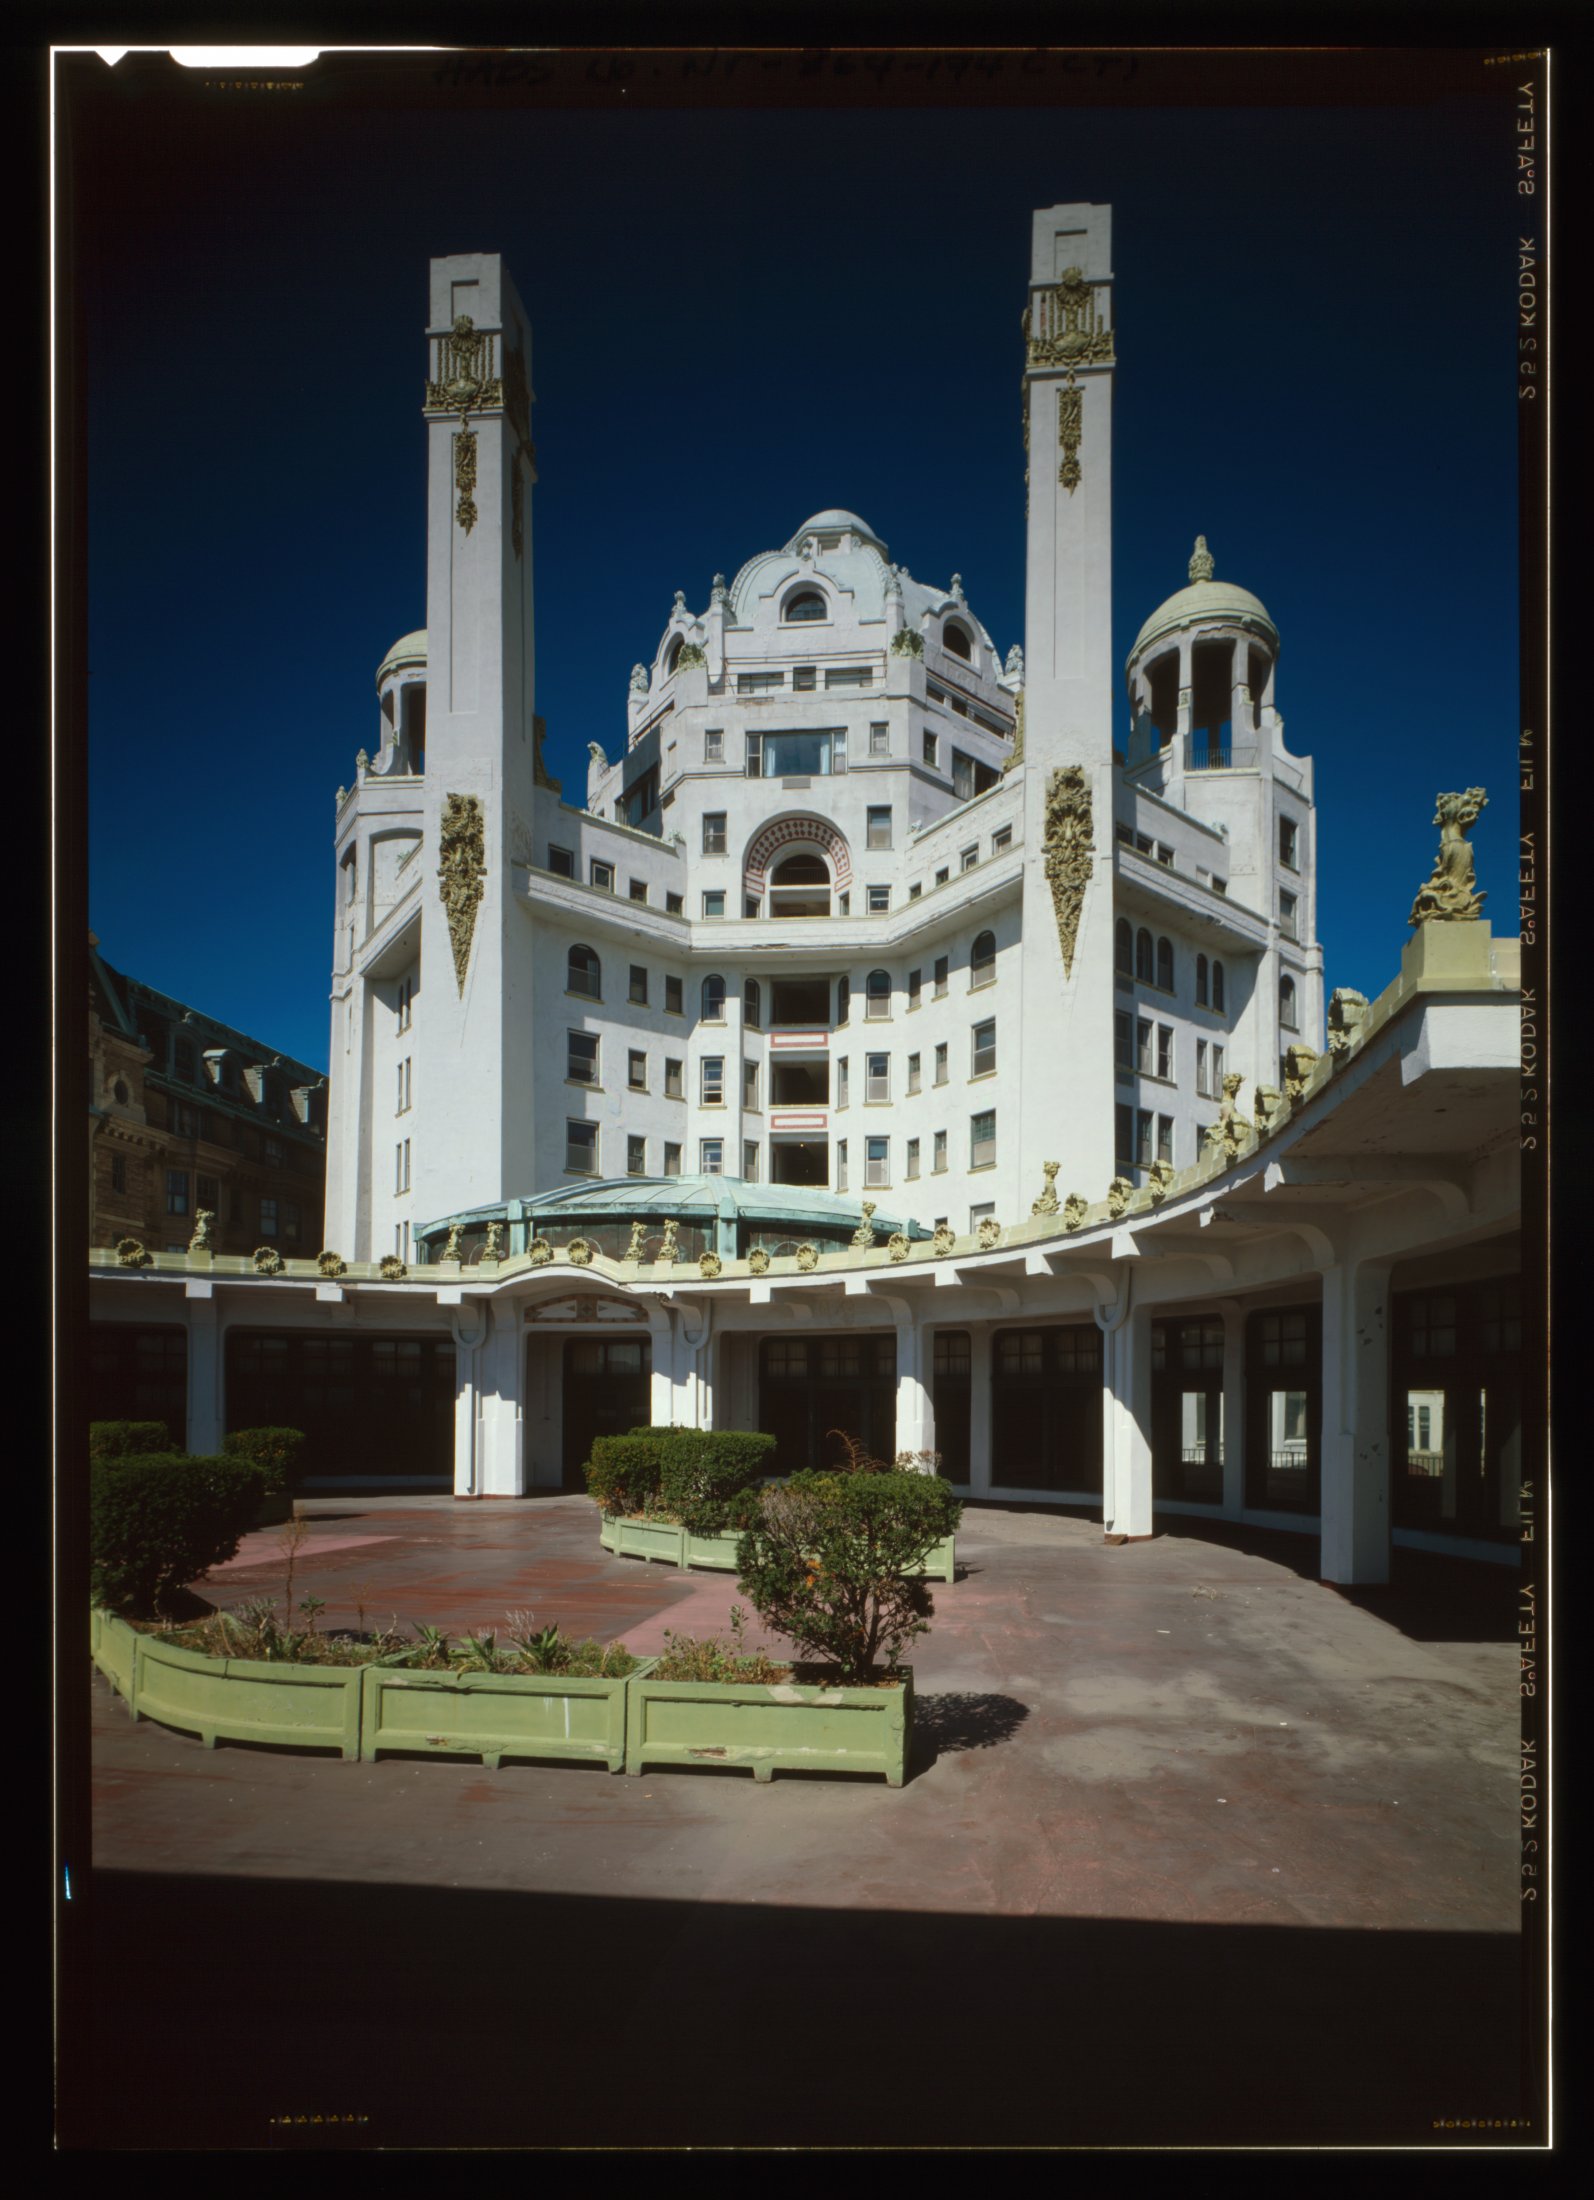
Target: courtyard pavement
1195, 1850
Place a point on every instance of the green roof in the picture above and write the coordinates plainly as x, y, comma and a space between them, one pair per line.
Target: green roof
722, 1198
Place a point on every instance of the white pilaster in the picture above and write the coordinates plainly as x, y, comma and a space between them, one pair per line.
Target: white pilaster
1233, 1409
1354, 1447
1126, 1425
980, 1409
206, 1417
915, 1400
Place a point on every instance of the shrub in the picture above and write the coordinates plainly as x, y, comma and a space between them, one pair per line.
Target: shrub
160, 1520
120, 1439
273, 1452
623, 1472
705, 1471
828, 1563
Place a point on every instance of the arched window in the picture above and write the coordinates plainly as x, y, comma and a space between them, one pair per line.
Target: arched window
806, 604
1145, 965
843, 999
956, 639
879, 991
800, 886
1124, 947
674, 657
752, 1005
1201, 981
1287, 1003
1165, 965
1217, 985
713, 1000
982, 960
584, 974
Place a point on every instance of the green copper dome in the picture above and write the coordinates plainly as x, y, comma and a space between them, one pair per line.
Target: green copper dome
1205, 598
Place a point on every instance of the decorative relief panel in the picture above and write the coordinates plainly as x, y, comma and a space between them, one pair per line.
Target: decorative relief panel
460, 874
815, 832
465, 478
1070, 418
1068, 843
1065, 327
465, 381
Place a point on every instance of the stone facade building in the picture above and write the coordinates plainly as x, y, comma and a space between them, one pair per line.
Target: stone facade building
903, 1035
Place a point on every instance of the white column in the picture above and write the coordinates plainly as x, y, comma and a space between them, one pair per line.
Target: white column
1242, 718
1185, 694
205, 1413
1234, 1409
915, 1402
1126, 1425
1354, 1447
661, 1379
499, 1466
980, 1409
469, 1330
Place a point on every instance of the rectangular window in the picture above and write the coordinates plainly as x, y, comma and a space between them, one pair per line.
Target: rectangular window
880, 740
915, 890
675, 904
1289, 843
714, 903
913, 1159
1123, 1136
119, 1173
1001, 838
1143, 843
982, 1134
561, 861
843, 1080
841, 1164
750, 1160
672, 996
940, 1153
672, 1159
1165, 1138
581, 1148
1123, 1041
798, 755
404, 1187
980, 1214
915, 988
749, 1084
581, 1057
877, 1082
879, 827
268, 1218
713, 1089
750, 905
271, 1152
805, 678
636, 1157
1164, 855
942, 876
969, 776
184, 1120
1202, 1082
985, 1048
1219, 885
639, 985
177, 1191
876, 1162
969, 858
942, 967
931, 744
714, 832
849, 676
1288, 916
713, 745
879, 899
207, 1190
1165, 1051
639, 889
940, 1063
603, 876
1145, 1126
1217, 1072
914, 1079
1126, 834
183, 1059
673, 1086
711, 1153
759, 683
636, 1069
1144, 1041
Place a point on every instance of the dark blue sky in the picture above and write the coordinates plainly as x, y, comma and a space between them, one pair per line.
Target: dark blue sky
739, 318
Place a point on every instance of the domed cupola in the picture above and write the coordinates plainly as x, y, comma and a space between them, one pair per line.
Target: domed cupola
1203, 662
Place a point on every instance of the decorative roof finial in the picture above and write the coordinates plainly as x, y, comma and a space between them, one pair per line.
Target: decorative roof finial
1201, 562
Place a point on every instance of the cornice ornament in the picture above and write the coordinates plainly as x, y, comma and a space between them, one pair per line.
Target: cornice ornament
907, 642
1299, 1062
579, 1253
1065, 327
539, 1252
451, 1244
493, 1250
200, 1242
669, 1246
897, 1245
808, 1258
1047, 1203
130, 1253
989, 1233
1068, 844
758, 1261
331, 1264
1160, 1180
1201, 566
634, 1248
943, 1241
1269, 1100
1075, 1209
460, 874
465, 478
1119, 1193
391, 1269
709, 1265
690, 654
863, 1236
1017, 757
1347, 1012
1070, 424
465, 380
1230, 1130
268, 1261
1449, 896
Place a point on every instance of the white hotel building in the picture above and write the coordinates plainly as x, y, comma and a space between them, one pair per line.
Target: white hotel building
848, 1056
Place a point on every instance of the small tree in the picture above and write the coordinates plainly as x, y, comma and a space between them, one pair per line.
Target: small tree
157, 1523
830, 1562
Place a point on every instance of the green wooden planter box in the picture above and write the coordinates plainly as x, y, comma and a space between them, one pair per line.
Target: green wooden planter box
769, 1728
717, 1553
495, 1715
656, 1539
113, 1645
275, 1511
248, 1700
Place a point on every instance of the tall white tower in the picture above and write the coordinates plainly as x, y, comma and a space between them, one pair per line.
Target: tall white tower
480, 762
1067, 1104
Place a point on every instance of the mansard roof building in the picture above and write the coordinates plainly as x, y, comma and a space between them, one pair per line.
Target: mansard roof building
867, 1039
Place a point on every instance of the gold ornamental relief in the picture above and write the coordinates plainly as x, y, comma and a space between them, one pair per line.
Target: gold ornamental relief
465, 478
1067, 840
460, 873
465, 381
1065, 327
1070, 422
